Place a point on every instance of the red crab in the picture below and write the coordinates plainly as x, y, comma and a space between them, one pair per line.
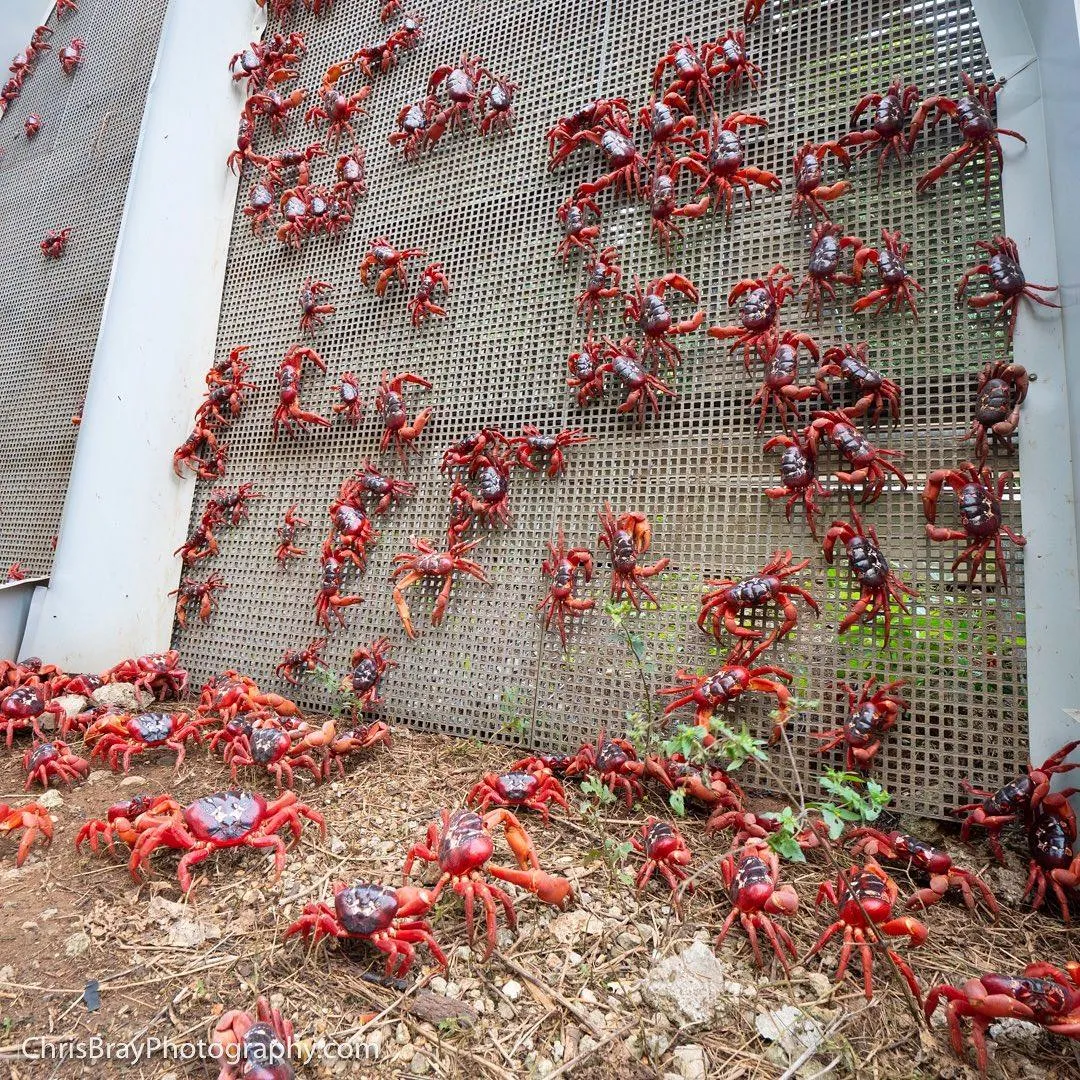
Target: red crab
708, 693
289, 373
749, 826
726, 599
265, 743
256, 1047
351, 173
886, 130
798, 477
296, 663
707, 784
329, 598
48, 761
878, 582
367, 665
385, 490
340, 110
869, 463
55, 243
578, 230
566, 134
1042, 995
808, 165
978, 500
70, 56
31, 817
601, 270
224, 819
234, 695
780, 385
1008, 284
496, 103
378, 914
752, 877
390, 262
200, 544
275, 107
351, 741
421, 305
428, 563
562, 569
471, 451
491, 502
666, 127
641, 386
870, 717
532, 441
1020, 798
996, 412
691, 68
720, 163
286, 534
118, 737
32, 125
349, 401
614, 762
460, 83
850, 362
462, 848
623, 158
895, 282
665, 851
647, 309
312, 311
663, 207
419, 125
823, 270
225, 506
160, 674
533, 789
628, 538
64, 6
728, 57
864, 901
587, 369
759, 313
918, 855
973, 114
193, 591
391, 404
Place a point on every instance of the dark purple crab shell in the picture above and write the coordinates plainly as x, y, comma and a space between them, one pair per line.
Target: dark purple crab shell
152, 728
41, 755
364, 676
365, 908
516, 787
23, 703
225, 817
265, 1055
268, 745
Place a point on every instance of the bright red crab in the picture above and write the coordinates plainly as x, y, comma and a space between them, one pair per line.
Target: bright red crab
340, 110
642, 387
349, 401
533, 442
851, 363
628, 538
48, 761
419, 126
869, 464
496, 104
564, 137
31, 817
798, 477
275, 107
118, 737
296, 663
21, 707
562, 569
648, 310
329, 599
390, 403
312, 312
378, 914
160, 674
432, 278
1053, 865
289, 373
978, 500
200, 593
353, 740
232, 694
690, 66
55, 243
351, 175
201, 453
533, 789
665, 851
623, 158
430, 564
222, 820
871, 715
367, 665
490, 502
780, 385
578, 230
1042, 994
460, 81
267, 744
752, 877
749, 826
389, 261
720, 163
995, 415
663, 206
286, 533
918, 855
728, 57
707, 784
470, 452
70, 56
200, 544
973, 114
599, 272
385, 490
614, 762
32, 125
827, 244
587, 368
725, 600
253, 1047
808, 166
351, 530
462, 848
878, 582
1008, 285
709, 693
759, 313
668, 120
886, 130
895, 283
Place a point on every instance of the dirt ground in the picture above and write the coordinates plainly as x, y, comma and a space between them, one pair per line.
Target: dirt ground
563, 997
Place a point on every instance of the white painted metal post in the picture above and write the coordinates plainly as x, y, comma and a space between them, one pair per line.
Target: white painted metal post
125, 511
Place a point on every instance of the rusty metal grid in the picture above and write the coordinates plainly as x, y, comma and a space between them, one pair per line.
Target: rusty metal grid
74, 173
485, 209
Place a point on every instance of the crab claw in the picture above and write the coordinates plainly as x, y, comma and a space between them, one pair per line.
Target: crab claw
412, 901
516, 837
556, 891
904, 925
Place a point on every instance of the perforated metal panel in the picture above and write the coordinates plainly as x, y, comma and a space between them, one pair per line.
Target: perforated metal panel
74, 173
485, 208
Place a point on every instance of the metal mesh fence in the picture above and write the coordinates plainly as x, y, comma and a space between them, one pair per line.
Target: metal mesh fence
485, 208
74, 173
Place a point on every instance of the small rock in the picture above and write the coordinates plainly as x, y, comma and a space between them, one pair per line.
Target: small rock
438, 984
337, 845
72, 704
406, 1054
657, 1043
693, 985
587, 1045
821, 983
50, 799
792, 1029
586, 995
98, 775
544, 1066
421, 1065
373, 1043
124, 696
47, 914
190, 934
7, 974
505, 1010
77, 944
557, 1049
401, 1034
133, 781
572, 924
512, 990
690, 1061
1015, 1031
29, 925
168, 1076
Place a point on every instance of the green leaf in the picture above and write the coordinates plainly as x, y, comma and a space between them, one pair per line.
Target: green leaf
677, 801
786, 846
833, 821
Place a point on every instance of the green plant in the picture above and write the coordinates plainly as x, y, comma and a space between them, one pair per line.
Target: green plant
620, 612
341, 702
515, 721
610, 852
